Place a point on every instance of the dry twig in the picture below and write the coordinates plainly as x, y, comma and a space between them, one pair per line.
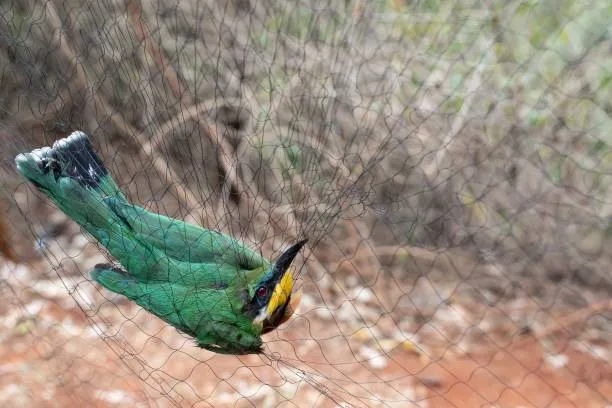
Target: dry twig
5, 246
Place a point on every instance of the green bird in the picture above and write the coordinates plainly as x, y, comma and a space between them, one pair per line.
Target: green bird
204, 283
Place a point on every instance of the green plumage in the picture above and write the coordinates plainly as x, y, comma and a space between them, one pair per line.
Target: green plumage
200, 281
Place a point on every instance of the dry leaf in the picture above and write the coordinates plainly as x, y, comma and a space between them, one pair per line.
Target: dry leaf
5, 246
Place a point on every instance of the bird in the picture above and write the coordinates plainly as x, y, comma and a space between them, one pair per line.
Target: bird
205, 283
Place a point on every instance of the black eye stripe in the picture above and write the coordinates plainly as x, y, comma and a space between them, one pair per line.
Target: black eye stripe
260, 298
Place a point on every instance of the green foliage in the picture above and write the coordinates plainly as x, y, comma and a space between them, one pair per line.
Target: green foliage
545, 66
303, 23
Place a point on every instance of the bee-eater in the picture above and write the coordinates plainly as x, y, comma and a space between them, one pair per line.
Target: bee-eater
200, 281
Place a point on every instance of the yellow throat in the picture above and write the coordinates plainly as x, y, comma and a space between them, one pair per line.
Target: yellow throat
281, 293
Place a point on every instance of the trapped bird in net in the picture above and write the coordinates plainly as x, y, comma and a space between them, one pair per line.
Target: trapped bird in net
202, 282
449, 162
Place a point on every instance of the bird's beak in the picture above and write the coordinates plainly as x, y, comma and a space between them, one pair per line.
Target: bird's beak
283, 262
277, 308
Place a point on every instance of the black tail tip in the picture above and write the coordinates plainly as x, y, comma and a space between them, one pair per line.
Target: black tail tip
77, 140
107, 266
72, 157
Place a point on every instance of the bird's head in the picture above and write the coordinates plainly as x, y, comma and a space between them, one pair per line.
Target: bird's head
271, 302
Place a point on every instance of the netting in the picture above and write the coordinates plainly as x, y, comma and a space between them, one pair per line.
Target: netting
449, 162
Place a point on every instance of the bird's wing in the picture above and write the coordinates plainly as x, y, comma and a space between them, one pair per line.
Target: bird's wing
185, 242
159, 298
208, 315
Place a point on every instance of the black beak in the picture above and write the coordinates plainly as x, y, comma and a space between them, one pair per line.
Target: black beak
283, 262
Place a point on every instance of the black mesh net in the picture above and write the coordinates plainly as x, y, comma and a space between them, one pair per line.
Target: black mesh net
449, 163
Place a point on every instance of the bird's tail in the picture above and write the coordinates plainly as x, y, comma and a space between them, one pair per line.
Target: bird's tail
73, 176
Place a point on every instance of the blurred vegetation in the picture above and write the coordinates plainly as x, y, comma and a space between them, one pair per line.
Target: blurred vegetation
467, 143
480, 125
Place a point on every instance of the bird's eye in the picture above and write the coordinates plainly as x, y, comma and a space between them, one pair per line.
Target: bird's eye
261, 291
